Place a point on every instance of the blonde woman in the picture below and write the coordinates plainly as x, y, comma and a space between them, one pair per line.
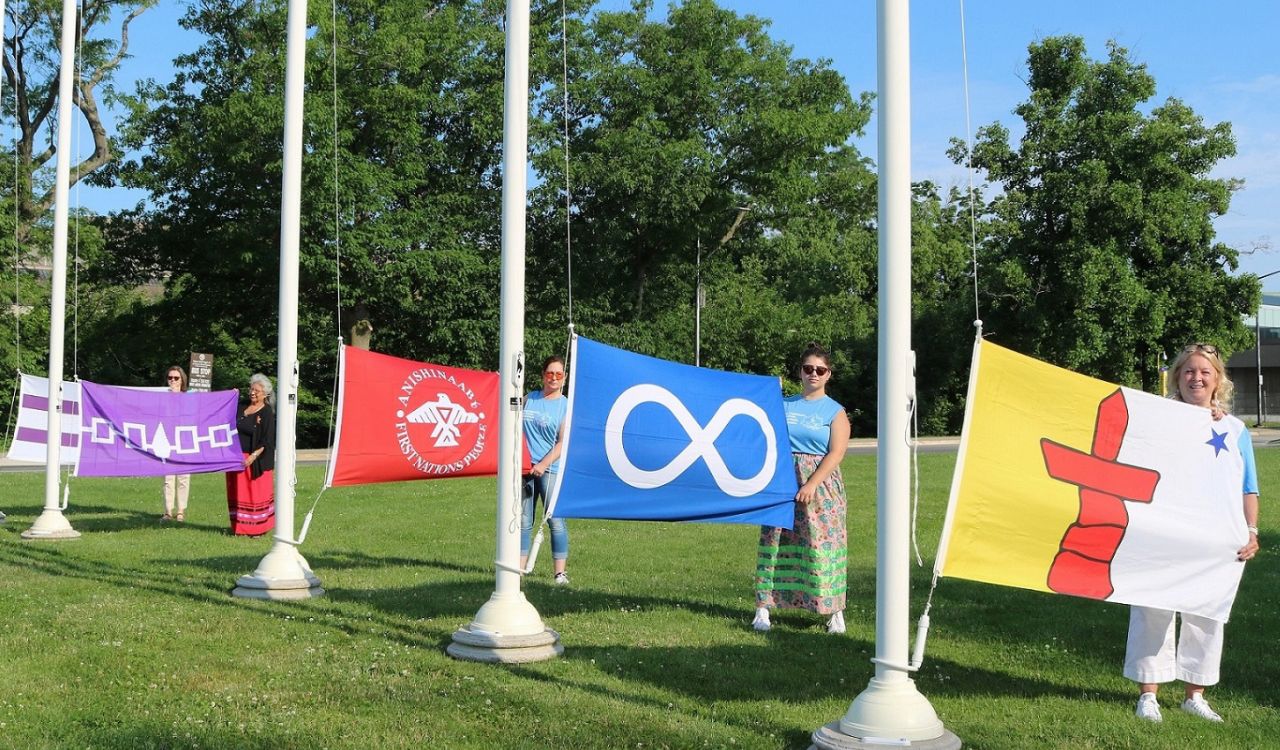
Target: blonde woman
1152, 655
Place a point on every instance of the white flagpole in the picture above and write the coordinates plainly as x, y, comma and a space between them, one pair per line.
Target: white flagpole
52, 524
507, 628
890, 706
283, 573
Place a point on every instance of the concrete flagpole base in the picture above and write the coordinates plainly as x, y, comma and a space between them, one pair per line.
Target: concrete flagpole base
829, 737
888, 712
282, 574
51, 525
506, 630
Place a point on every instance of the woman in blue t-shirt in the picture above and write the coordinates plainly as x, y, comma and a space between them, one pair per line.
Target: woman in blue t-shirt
805, 568
544, 413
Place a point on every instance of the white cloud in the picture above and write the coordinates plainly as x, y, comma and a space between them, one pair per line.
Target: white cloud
1263, 84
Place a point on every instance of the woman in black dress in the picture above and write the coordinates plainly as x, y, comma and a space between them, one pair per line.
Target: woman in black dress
251, 492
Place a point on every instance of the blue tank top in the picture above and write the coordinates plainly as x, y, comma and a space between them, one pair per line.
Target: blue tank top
809, 423
542, 420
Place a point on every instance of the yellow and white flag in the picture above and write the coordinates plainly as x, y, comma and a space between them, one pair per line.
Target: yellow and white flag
1071, 485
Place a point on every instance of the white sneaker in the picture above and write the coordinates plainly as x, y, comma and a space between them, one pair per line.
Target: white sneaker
761, 622
836, 623
1148, 709
1198, 706
561, 579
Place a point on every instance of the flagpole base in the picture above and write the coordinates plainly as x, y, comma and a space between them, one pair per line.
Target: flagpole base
506, 630
51, 525
888, 712
282, 575
829, 737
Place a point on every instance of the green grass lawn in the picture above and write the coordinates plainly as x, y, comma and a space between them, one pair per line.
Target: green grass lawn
128, 638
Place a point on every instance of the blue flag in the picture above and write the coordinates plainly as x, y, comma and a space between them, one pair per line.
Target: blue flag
652, 440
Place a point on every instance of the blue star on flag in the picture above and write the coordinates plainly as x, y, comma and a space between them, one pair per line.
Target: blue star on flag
1218, 441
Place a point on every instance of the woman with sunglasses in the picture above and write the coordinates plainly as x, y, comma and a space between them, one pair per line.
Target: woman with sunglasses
1197, 377
805, 568
176, 486
544, 413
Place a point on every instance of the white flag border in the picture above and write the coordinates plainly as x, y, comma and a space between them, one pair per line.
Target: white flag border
940, 557
568, 422
337, 427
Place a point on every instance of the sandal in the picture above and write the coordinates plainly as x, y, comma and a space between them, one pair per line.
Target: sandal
166, 517
181, 518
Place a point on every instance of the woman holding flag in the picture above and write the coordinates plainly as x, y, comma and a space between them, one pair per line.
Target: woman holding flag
176, 486
1151, 656
544, 413
251, 492
805, 568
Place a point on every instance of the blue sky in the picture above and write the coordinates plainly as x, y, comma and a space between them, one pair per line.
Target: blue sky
1223, 63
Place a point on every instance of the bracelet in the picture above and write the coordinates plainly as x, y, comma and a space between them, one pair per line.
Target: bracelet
1252, 530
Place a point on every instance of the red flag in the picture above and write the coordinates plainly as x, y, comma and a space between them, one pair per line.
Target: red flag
400, 420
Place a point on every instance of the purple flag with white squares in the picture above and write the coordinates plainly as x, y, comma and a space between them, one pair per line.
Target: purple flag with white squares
130, 433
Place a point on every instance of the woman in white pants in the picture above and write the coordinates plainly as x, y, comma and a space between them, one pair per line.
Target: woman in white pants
176, 486
1152, 656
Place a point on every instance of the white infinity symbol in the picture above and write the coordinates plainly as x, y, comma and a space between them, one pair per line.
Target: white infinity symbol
701, 442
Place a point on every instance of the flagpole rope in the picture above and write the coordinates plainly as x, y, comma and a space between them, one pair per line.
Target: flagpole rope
337, 233
968, 163
79, 140
76, 94
922, 627
17, 246
915, 471
517, 438
11, 423
337, 280
549, 512
568, 193
306, 520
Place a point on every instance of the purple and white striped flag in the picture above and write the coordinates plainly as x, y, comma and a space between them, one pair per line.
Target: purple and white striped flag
132, 433
30, 437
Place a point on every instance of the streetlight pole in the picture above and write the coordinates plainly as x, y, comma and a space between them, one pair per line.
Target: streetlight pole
1257, 348
1257, 351
699, 300
700, 295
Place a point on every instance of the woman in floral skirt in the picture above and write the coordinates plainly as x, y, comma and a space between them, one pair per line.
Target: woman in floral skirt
805, 568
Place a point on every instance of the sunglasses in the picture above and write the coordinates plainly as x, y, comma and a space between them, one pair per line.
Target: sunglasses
553, 376
811, 369
1206, 348
175, 377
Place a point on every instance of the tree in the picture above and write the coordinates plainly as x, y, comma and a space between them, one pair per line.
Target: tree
32, 57
415, 213
31, 60
1102, 253
673, 125
942, 304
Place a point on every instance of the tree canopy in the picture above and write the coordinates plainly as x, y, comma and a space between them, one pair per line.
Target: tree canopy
31, 60
694, 147
1100, 253
673, 124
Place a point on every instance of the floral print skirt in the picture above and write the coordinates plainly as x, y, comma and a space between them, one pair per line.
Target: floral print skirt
806, 568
